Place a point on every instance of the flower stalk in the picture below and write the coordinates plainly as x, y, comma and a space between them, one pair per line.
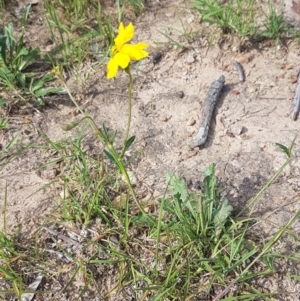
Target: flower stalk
127, 70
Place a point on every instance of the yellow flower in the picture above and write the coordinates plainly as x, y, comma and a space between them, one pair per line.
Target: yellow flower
123, 53
57, 71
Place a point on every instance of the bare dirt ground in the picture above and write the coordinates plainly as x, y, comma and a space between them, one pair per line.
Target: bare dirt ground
249, 120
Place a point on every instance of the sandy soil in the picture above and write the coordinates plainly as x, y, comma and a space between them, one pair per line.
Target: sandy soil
250, 118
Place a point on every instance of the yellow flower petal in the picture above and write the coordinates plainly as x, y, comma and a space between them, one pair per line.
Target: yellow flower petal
125, 35
135, 51
121, 27
128, 33
112, 68
113, 51
122, 59
142, 45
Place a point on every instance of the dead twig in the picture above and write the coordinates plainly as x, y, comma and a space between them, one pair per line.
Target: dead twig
240, 71
297, 100
207, 111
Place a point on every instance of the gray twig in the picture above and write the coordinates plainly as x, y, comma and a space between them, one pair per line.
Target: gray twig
297, 99
240, 71
207, 111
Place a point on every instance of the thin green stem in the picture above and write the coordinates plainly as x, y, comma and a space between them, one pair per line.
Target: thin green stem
129, 110
58, 73
120, 164
126, 223
71, 97
254, 200
117, 158
4, 211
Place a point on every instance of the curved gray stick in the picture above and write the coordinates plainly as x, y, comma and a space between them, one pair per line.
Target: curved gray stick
297, 99
207, 111
240, 71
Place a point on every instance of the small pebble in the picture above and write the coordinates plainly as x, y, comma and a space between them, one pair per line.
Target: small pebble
245, 58
192, 153
197, 185
229, 134
48, 174
191, 121
237, 129
190, 19
114, 239
64, 194
235, 92
190, 59
294, 80
143, 143
180, 94
164, 117
156, 58
190, 131
232, 192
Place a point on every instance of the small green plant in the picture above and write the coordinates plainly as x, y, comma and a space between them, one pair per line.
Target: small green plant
241, 17
203, 240
205, 214
237, 16
75, 35
9, 255
274, 25
3, 123
203, 230
83, 191
137, 5
14, 59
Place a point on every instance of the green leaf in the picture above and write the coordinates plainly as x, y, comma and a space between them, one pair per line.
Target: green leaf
27, 57
11, 42
3, 48
21, 78
69, 126
182, 195
221, 215
129, 142
26, 15
105, 130
142, 219
3, 101
43, 91
284, 149
178, 185
39, 84
167, 205
6, 76
22, 52
110, 157
210, 170
209, 182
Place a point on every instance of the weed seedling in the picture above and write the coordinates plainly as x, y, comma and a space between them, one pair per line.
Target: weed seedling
14, 59
3, 123
274, 25
237, 16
